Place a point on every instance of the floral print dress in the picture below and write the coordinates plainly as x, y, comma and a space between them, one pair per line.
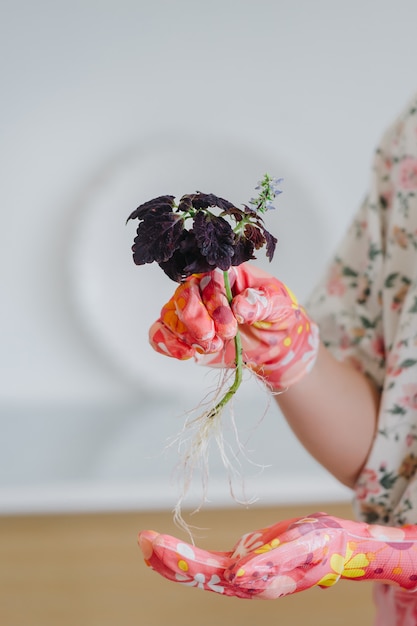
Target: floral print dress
366, 307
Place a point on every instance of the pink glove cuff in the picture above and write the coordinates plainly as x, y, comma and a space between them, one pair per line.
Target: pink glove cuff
292, 358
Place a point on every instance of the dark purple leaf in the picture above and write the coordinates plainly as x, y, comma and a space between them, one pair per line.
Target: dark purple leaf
215, 239
204, 201
185, 203
186, 260
157, 238
235, 213
255, 235
243, 250
249, 210
156, 206
271, 243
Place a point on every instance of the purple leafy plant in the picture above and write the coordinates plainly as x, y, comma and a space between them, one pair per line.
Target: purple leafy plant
202, 232
199, 234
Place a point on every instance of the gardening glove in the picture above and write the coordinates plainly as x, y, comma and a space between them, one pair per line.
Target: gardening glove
279, 341
290, 556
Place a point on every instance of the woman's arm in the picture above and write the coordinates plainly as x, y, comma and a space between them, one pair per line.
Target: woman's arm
333, 412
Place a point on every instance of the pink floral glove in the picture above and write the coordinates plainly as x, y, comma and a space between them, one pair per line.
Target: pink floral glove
289, 557
280, 342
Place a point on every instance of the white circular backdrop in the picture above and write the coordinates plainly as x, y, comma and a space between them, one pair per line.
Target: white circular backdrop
117, 301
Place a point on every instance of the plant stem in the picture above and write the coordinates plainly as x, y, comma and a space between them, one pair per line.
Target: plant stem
238, 360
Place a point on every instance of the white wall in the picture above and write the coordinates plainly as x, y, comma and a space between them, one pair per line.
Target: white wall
107, 103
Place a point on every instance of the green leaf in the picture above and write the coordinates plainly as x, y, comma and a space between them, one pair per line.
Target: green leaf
408, 363
388, 480
374, 251
397, 410
348, 271
389, 281
366, 323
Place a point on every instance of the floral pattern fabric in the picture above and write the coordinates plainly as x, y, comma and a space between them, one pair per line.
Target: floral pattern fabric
366, 307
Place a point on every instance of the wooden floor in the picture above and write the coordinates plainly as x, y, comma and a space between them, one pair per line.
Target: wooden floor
86, 570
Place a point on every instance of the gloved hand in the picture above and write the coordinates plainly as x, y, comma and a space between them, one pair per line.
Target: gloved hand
289, 557
280, 342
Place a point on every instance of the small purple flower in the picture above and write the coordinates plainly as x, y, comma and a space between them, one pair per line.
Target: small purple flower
269, 189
